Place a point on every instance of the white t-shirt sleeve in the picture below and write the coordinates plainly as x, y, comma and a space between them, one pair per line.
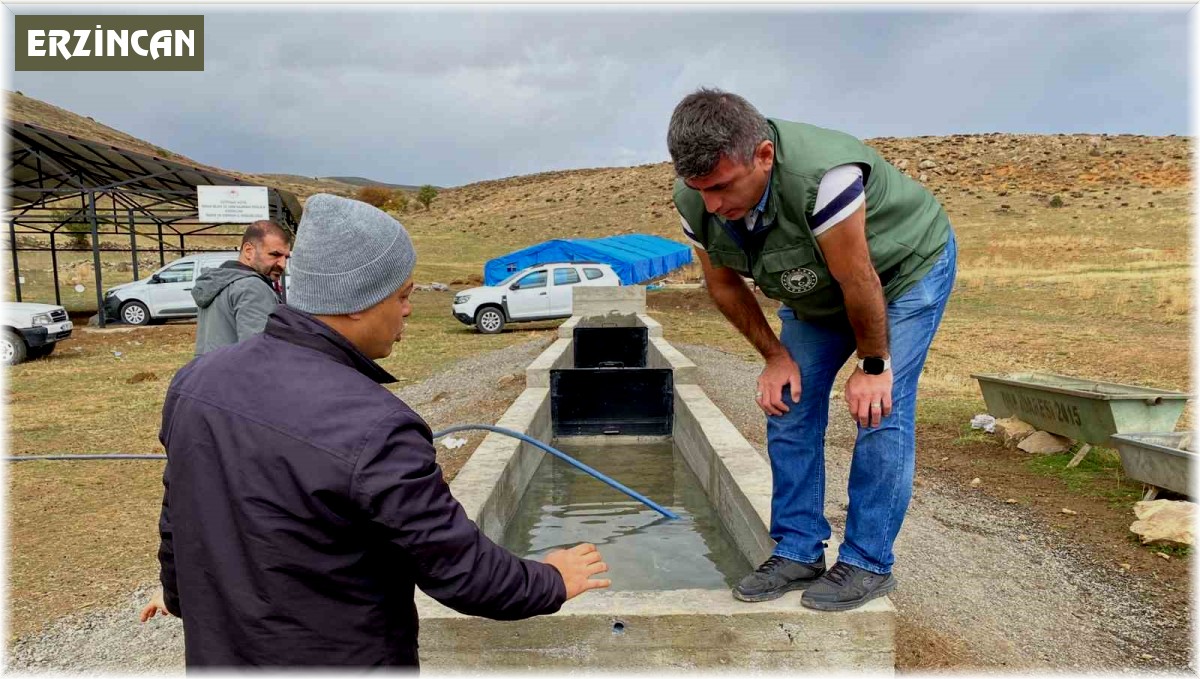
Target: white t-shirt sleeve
687, 230
839, 195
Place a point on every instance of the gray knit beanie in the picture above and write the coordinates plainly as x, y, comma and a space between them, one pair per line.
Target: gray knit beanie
348, 257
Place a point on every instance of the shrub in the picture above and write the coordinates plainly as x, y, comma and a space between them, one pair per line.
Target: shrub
398, 202
77, 226
374, 195
426, 195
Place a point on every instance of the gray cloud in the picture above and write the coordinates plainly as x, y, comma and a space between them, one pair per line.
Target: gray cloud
458, 94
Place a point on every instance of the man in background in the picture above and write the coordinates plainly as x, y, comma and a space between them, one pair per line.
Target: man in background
235, 298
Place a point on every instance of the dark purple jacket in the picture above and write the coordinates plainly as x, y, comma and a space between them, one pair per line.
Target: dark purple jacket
302, 502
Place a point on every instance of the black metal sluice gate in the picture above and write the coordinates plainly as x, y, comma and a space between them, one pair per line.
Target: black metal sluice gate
610, 391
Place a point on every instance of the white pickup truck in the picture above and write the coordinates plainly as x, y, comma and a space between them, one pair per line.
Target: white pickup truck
30, 330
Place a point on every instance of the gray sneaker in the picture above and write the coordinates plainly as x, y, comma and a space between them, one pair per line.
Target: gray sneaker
844, 587
776, 576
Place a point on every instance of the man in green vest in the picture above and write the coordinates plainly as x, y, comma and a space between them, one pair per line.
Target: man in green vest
862, 258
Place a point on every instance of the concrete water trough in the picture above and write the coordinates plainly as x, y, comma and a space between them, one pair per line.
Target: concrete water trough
656, 616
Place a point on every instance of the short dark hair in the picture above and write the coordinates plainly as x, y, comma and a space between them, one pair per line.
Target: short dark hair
709, 123
257, 231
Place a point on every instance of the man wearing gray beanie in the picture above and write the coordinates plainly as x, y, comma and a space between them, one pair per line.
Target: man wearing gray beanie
294, 531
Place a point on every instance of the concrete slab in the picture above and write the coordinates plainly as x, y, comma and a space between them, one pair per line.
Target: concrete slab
681, 629
653, 327
557, 356
599, 301
660, 354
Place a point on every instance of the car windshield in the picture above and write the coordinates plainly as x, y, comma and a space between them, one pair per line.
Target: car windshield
526, 270
511, 278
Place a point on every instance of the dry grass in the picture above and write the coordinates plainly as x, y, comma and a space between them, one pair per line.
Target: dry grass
83, 534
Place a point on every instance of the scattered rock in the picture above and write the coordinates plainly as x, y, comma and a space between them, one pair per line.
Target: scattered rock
926, 164
1012, 431
1164, 522
903, 164
1010, 501
976, 482
1166, 557
923, 177
1070, 512
1044, 443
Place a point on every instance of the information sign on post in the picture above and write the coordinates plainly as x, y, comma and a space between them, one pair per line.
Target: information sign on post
235, 204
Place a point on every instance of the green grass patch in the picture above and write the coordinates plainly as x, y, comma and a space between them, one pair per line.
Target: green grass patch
1099, 474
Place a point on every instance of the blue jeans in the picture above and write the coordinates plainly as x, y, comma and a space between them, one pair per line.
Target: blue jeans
881, 472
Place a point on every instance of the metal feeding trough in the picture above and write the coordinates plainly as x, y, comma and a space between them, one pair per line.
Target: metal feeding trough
1160, 460
1081, 409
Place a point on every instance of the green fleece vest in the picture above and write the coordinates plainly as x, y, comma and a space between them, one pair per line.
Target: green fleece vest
907, 229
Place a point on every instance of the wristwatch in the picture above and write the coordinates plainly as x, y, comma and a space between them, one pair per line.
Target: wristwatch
874, 365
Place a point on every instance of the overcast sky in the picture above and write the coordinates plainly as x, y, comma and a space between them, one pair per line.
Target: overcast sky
454, 95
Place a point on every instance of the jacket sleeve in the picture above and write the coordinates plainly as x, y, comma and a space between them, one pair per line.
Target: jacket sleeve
166, 556
252, 301
166, 545
399, 485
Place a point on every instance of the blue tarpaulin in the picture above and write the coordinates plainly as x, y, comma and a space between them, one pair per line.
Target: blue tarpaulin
635, 257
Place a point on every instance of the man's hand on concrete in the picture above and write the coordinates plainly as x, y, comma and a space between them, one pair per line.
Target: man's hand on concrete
577, 565
780, 372
869, 397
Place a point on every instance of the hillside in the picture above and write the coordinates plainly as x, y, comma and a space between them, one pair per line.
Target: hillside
1004, 184
363, 181
977, 177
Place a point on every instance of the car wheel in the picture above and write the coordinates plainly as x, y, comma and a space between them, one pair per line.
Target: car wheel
135, 313
12, 348
42, 351
489, 320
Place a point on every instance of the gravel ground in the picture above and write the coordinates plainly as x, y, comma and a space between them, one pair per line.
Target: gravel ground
112, 640
1006, 604
966, 581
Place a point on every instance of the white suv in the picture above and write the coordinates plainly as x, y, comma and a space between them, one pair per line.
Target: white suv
31, 330
539, 293
166, 293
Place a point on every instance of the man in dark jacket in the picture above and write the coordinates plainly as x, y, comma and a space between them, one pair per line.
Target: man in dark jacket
294, 529
235, 298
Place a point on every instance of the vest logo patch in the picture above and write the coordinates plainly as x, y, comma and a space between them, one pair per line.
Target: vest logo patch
798, 281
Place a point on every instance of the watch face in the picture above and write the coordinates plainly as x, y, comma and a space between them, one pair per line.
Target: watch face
873, 365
